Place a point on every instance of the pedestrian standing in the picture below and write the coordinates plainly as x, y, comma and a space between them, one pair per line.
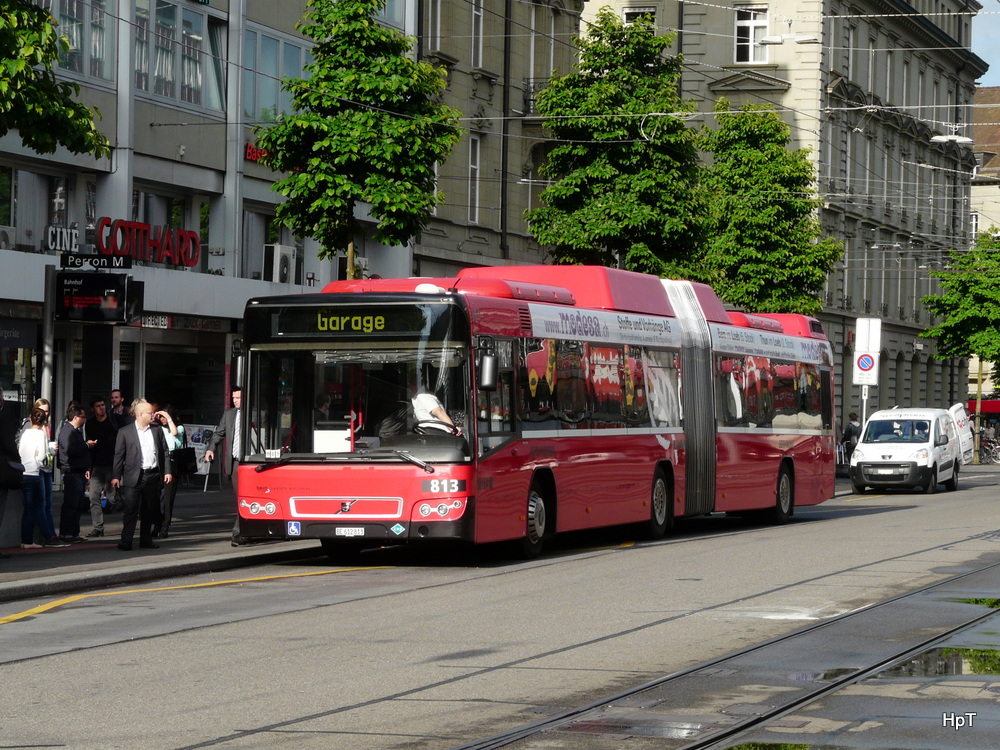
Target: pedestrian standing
74, 462
35, 455
118, 411
227, 436
11, 469
102, 429
141, 468
173, 432
851, 436
45, 474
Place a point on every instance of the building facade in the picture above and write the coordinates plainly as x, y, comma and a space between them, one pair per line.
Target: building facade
880, 93
179, 85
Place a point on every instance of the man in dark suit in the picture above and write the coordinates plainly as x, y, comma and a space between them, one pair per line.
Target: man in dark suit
10, 477
141, 467
227, 436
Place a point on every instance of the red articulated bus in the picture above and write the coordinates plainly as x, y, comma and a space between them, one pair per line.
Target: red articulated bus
574, 397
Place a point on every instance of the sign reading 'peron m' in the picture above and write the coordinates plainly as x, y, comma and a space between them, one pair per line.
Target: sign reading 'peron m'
140, 241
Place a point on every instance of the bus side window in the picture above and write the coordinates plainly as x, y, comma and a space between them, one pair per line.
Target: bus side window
496, 410
536, 380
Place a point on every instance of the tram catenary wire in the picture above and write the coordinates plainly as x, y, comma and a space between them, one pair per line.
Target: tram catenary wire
715, 739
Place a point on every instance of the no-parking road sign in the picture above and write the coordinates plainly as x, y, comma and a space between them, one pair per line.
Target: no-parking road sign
869, 335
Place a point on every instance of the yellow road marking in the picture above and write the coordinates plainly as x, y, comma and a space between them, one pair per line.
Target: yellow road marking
79, 597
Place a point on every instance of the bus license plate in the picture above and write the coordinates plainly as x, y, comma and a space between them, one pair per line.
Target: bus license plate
349, 531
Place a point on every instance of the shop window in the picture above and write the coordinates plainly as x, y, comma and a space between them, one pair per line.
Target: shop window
268, 60
179, 54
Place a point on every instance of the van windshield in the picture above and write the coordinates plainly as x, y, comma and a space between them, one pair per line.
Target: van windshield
897, 431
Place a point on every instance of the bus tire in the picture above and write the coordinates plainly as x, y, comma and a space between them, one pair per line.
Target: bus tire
932, 482
784, 500
530, 546
342, 552
952, 484
660, 512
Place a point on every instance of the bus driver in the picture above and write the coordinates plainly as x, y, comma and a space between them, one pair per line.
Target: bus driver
428, 409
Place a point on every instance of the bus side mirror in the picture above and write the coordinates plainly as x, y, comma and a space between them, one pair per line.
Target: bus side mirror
488, 372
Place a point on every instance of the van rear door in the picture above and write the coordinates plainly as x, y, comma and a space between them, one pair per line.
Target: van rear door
964, 426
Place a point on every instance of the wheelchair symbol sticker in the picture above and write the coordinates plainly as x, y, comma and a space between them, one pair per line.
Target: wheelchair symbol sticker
294, 528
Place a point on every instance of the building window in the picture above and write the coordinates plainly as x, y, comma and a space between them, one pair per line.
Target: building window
179, 54
268, 60
974, 225
393, 14
434, 24
477, 34
751, 27
631, 15
86, 24
474, 179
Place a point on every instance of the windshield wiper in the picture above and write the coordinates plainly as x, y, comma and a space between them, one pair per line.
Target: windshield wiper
415, 461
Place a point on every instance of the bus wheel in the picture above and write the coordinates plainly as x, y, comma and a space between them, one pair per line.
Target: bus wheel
342, 552
784, 497
660, 517
952, 484
531, 544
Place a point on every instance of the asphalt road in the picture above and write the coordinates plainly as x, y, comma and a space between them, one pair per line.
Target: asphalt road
432, 651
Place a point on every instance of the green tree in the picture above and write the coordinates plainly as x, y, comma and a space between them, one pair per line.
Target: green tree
969, 302
33, 101
624, 165
765, 250
366, 126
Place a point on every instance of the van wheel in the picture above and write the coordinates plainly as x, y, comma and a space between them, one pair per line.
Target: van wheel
932, 483
859, 489
660, 517
952, 484
784, 501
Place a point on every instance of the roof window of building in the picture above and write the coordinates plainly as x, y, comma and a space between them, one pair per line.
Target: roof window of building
179, 54
267, 59
751, 27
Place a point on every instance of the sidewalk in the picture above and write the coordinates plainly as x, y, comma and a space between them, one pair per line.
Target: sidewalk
199, 542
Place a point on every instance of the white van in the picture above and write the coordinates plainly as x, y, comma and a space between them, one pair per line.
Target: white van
966, 435
908, 448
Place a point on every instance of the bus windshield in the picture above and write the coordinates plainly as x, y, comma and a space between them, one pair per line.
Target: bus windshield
321, 386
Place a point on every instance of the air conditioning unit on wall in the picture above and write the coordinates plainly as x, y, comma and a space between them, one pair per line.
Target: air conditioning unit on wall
279, 263
8, 238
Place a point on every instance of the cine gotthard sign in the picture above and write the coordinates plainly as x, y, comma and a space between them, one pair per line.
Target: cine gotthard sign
153, 244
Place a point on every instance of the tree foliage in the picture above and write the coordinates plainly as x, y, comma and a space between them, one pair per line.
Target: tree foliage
969, 302
765, 250
366, 126
33, 101
624, 167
